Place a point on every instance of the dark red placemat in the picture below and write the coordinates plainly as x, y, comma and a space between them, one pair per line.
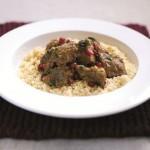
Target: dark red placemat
18, 123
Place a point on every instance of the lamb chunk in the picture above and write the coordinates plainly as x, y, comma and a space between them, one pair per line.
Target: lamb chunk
114, 66
119, 65
57, 42
60, 55
63, 54
93, 74
58, 76
52, 43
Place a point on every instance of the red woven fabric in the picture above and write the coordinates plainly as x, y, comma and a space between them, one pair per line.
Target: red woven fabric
140, 28
4, 28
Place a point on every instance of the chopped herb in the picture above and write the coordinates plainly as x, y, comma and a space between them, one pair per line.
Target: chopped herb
83, 44
91, 38
109, 58
52, 83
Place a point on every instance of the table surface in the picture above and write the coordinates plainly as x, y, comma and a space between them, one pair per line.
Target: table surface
122, 11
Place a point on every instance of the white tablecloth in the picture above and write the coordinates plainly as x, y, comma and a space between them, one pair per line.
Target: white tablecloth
122, 11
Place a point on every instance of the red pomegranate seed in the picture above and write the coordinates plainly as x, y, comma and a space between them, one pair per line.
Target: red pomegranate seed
91, 84
99, 65
89, 52
61, 40
41, 67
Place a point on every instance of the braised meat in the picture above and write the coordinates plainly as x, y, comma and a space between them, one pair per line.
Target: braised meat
58, 76
57, 42
93, 75
60, 55
52, 43
66, 61
114, 66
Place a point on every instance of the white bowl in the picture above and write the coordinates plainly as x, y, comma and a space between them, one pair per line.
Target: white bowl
15, 44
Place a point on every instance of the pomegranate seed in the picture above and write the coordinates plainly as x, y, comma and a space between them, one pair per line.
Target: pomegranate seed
41, 67
89, 52
99, 64
61, 40
91, 84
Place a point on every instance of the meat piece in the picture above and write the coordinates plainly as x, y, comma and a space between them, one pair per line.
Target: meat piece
57, 42
119, 65
58, 76
93, 74
52, 43
64, 54
60, 55
45, 58
114, 66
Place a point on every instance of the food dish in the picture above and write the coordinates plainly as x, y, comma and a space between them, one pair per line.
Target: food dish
88, 70
17, 43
